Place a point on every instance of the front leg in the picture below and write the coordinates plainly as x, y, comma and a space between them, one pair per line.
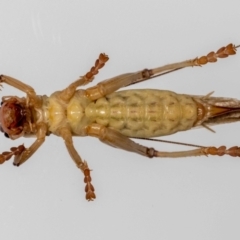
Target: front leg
66, 134
21, 153
28, 152
31, 95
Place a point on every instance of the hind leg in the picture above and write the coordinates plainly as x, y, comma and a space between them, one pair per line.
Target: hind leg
113, 84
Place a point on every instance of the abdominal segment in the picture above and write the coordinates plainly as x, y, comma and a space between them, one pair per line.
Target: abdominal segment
144, 113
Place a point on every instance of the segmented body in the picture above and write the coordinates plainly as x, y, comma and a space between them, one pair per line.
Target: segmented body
115, 116
134, 113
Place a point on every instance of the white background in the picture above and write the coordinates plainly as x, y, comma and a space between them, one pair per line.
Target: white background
48, 44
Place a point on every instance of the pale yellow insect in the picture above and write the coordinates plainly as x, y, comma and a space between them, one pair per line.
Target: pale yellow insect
115, 117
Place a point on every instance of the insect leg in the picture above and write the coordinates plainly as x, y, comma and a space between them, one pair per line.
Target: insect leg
18, 84
116, 139
211, 57
113, 84
28, 152
67, 136
16, 151
67, 93
220, 151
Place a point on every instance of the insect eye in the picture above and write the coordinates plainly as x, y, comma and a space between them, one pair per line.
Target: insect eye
6, 135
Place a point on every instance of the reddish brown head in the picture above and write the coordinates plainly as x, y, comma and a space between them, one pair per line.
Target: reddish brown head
11, 117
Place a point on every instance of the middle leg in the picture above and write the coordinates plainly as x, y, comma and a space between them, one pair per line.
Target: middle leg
65, 133
68, 92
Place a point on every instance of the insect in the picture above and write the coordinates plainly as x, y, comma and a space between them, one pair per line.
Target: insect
116, 118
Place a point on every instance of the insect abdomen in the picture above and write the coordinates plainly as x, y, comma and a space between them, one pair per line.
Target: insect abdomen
144, 113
